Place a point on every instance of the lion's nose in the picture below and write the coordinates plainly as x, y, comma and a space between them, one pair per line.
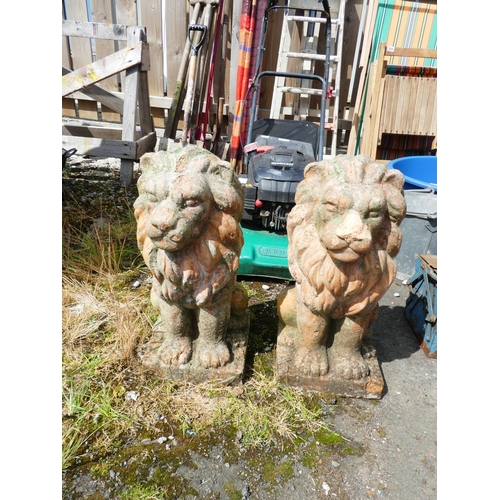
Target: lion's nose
352, 228
162, 218
161, 225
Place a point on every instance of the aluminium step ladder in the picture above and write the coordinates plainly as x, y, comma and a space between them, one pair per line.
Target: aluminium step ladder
304, 18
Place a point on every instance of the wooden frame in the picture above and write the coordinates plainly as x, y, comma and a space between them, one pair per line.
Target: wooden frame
130, 142
398, 104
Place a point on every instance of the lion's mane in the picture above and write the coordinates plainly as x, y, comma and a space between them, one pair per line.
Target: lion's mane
197, 272
333, 288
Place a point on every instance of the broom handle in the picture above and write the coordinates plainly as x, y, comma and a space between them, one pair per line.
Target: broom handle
176, 105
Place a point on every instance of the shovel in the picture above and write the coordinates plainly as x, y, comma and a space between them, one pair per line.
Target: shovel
176, 106
202, 82
196, 43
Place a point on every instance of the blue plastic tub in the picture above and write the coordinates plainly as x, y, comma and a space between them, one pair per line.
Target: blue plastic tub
419, 171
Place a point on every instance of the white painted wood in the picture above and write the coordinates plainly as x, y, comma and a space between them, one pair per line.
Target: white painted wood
102, 31
95, 72
124, 150
131, 90
68, 105
97, 93
134, 59
157, 102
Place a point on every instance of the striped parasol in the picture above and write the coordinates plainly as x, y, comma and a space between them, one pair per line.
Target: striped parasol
247, 27
261, 9
400, 23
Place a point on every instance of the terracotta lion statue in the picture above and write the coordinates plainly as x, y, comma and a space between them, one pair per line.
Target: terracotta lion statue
343, 234
188, 211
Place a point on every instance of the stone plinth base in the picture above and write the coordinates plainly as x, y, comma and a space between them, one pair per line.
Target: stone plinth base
369, 387
229, 374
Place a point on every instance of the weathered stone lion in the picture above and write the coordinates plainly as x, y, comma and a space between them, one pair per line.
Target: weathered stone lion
343, 234
188, 211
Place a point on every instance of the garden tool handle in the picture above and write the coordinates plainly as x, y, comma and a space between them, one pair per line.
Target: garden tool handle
203, 29
204, 2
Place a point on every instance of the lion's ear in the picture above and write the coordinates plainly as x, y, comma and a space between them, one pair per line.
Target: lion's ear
226, 188
395, 177
223, 170
215, 168
393, 183
318, 171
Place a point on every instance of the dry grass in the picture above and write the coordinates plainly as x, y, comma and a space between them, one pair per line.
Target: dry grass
105, 319
102, 314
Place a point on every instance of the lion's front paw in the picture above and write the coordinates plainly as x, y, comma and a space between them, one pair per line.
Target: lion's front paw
215, 355
367, 350
351, 367
312, 360
176, 351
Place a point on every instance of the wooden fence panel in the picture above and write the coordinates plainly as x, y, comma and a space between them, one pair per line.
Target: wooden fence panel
102, 12
166, 24
68, 105
125, 13
176, 21
151, 17
81, 51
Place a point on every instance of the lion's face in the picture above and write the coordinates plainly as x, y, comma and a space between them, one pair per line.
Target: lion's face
348, 218
178, 208
344, 232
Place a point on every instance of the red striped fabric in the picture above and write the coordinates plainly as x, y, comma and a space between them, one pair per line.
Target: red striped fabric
417, 71
247, 27
394, 146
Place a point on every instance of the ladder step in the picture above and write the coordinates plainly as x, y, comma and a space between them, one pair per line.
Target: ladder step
308, 19
289, 110
304, 90
304, 4
311, 56
299, 90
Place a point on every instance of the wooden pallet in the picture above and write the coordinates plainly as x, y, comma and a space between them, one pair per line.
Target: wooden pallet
130, 141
